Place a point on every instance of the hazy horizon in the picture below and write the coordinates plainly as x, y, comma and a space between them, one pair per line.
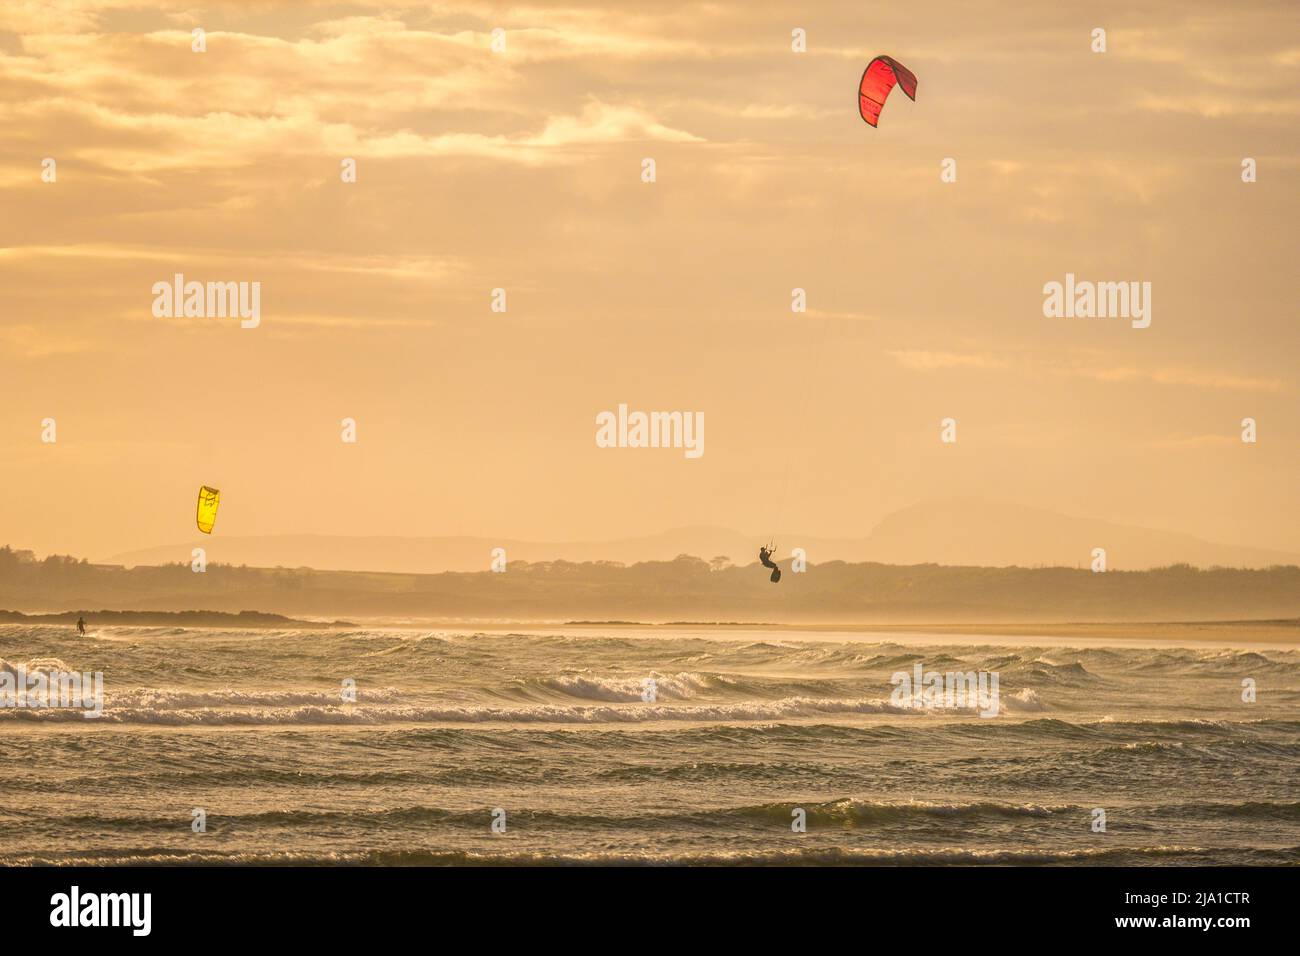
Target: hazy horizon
962, 532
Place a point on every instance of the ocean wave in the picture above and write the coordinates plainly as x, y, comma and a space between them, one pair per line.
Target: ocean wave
1056, 664
1199, 724
43, 665
848, 811
1026, 699
163, 699
692, 685
853, 812
1167, 854
681, 686
363, 714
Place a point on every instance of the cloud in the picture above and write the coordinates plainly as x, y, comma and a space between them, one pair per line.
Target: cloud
37, 342
1198, 441
397, 267
149, 143
601, 123
1092, 366
1194, 378
925, 360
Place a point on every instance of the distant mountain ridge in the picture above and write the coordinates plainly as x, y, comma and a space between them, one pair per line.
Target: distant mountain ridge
969, 532
683, 589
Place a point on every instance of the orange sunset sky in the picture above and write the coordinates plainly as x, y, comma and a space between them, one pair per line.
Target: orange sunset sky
522, 170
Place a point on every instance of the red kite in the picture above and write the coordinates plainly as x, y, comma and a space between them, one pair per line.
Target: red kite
877, 80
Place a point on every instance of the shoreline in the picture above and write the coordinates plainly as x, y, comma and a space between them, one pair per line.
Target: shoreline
105, 618
1272, 632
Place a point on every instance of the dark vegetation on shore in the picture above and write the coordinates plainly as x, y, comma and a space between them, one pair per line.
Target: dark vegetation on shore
686, 588
167, 619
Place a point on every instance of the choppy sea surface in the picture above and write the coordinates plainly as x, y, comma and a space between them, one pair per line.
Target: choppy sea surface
559, 736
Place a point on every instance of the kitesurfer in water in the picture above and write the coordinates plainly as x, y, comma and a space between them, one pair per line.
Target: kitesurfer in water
765, 558
81, 626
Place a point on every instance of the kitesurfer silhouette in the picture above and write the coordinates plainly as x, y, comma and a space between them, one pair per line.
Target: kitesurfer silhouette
81, 626
765, 558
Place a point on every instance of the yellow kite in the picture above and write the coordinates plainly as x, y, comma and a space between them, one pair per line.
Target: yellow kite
208, 499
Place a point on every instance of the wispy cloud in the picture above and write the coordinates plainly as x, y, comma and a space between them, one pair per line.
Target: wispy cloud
926, 360
1092, 366
26, 341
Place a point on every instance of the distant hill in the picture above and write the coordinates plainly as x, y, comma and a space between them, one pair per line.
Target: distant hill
683, 589
953, 531
431, 555
998, 534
